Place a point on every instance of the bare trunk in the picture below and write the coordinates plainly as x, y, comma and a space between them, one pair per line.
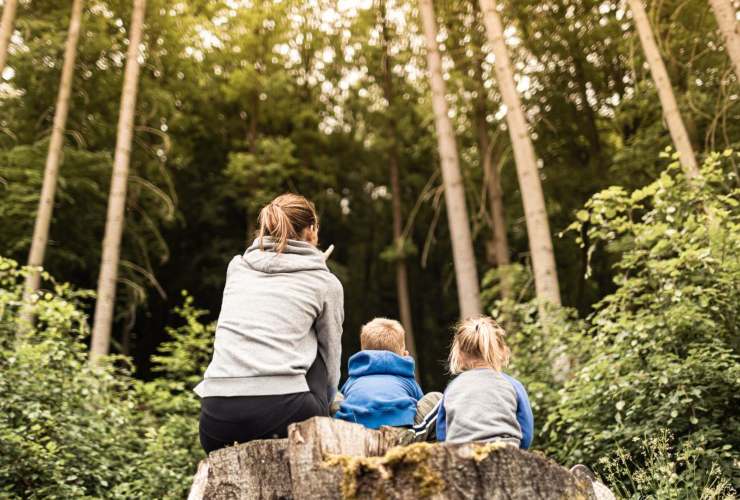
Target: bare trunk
457, 213
53, 158
117, 199
402, 282
6, 30
730, 29
538, 226
671, 113
499, 242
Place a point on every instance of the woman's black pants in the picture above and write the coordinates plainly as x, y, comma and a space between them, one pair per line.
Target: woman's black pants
228, 420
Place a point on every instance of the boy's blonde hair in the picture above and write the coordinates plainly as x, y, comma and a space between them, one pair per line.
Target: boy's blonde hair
478, 341
383, 334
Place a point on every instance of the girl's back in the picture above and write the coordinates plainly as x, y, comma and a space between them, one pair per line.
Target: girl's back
481, 405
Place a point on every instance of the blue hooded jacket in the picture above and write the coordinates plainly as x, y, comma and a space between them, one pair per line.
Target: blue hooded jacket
381, 390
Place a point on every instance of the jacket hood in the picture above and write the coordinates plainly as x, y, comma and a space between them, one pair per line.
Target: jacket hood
297, 256
380, 363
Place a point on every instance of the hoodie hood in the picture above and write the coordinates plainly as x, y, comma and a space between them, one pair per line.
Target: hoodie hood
297, 256
380, 363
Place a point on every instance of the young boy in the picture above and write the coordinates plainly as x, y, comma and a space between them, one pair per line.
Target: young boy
381, 389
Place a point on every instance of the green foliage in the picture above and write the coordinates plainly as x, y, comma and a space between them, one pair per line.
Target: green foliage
662, 350
659, 471
664, 345
68, 430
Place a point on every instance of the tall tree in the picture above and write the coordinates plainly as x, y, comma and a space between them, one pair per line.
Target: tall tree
466, 39
538, 226
51, 169
671, 113
730, 29
486, 147
402, 281
466, 273
6, 29
106, 295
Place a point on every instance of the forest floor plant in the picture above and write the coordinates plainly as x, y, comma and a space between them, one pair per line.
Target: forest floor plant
68, 430
661, 351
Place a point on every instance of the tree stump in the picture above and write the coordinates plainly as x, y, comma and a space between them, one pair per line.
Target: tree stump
331, 459
448, 471
256, 470
312, 441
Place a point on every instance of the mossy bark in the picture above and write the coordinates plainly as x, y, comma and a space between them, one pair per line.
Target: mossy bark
330, 459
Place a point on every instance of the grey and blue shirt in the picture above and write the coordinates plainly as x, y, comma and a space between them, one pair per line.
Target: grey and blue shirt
485, 405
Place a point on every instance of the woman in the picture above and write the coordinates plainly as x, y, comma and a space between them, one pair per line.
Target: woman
278, 341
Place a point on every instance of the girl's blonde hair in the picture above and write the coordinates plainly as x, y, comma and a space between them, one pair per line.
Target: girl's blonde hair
285, 218
478, 341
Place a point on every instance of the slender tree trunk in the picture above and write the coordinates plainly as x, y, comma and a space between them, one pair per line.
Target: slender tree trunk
671, 113
457, 213
117, 198
499, 241
538, 226
402, 282
6, 30
53, 158
730, 28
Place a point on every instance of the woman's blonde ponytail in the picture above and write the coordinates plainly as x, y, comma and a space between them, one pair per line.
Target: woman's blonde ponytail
285, 218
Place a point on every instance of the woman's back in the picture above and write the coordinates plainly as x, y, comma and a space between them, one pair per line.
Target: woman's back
277, 309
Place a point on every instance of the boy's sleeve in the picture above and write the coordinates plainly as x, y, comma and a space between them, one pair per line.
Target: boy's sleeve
418, 393
329, 333
347, 386
442, 422
523, 413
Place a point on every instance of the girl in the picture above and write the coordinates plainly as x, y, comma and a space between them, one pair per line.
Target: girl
482, 403
278, 339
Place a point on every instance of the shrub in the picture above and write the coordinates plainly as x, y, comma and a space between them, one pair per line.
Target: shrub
664, 345
68, 430
662, 472
662, 350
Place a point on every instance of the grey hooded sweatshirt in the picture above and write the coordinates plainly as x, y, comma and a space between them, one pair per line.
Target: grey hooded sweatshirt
279, 310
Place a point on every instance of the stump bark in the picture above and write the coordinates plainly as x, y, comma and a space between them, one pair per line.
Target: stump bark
330, 459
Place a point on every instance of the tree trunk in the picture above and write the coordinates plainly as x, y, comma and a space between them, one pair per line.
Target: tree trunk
538, 226
499, 241
259, 467
671, 113
6, 30
106, 295
53, 158
492, 178
402, 282
330, 459
448, 471
466, 273
730, 29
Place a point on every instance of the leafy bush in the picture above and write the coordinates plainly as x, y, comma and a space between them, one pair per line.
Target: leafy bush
68, 430
661, 472
664, 345
662, 350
